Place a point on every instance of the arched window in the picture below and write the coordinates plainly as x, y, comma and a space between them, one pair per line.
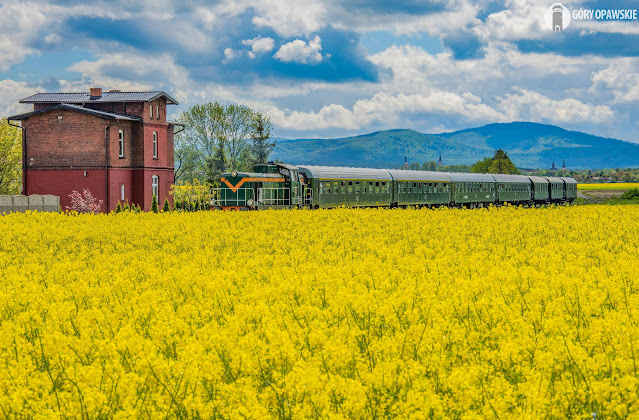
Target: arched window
155, 145
155, 182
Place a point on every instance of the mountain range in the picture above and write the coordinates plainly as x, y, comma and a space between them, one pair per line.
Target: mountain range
529, 145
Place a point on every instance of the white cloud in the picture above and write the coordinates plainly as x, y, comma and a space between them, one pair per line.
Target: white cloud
290, 18
19, 25
230, 54
10, 94
299, 51
384, 107
622, 78
259, 45
133, 70
532, 106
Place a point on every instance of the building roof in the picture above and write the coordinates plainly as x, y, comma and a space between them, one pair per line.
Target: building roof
85, 97
76, 108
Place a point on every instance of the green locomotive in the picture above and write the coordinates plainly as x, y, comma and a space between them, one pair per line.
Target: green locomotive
282, 186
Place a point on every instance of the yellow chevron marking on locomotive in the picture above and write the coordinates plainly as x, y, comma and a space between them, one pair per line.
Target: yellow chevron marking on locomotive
243, 180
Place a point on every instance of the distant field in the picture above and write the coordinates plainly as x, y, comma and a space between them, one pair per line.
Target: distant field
608, 186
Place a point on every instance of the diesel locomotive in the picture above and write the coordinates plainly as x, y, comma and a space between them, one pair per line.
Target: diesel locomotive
281, 186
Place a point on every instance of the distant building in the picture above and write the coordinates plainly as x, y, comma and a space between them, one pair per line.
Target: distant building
118, 145
553, 167
405, 162
440, 162
563, 166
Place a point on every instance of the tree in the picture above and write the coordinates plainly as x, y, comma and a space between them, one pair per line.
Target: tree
218, 138
200, 145
501, 164
154, 204
166, 208
236, 128
481, 166
261, 145
10, 159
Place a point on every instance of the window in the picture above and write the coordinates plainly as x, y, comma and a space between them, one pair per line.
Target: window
154, 184
121, 143
155, 145
157, 111
121, 192
151, 111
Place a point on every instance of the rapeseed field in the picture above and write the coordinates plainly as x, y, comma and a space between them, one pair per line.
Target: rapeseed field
491, 313
608, 186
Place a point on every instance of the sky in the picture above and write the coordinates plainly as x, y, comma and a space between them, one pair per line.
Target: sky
325, 68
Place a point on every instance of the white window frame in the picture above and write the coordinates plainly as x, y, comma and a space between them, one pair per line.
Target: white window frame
121, 143
157, 111
155, 186
151, 110
122, 192
155, 145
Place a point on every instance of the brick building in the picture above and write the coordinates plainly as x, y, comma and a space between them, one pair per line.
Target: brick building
118, 145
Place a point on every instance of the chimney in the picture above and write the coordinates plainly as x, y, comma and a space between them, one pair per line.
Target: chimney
96, 93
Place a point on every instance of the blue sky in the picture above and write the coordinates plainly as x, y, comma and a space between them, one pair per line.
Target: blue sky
326, 68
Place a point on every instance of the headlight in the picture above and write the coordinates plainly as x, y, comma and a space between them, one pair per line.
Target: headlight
233, 173
249, 202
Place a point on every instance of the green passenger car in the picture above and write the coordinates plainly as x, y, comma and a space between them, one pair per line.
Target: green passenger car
541, 189
350, 187
471, 190
515, 189
570, 192
417, 188
556, 189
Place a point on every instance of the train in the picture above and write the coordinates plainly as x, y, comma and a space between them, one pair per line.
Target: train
275, 185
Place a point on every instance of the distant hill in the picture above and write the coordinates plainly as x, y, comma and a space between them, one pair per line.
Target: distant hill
530, 145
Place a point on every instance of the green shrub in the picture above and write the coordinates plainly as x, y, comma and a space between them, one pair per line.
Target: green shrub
154, 204
632, 194
166, 207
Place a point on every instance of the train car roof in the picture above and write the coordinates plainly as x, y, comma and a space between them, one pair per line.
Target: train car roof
253, 175
511, 178
554, 180
569, 180
336, 172
469, 177
539, 180
404, 175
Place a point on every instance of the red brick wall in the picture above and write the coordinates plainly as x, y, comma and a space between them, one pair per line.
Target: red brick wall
63, 182
75, 140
